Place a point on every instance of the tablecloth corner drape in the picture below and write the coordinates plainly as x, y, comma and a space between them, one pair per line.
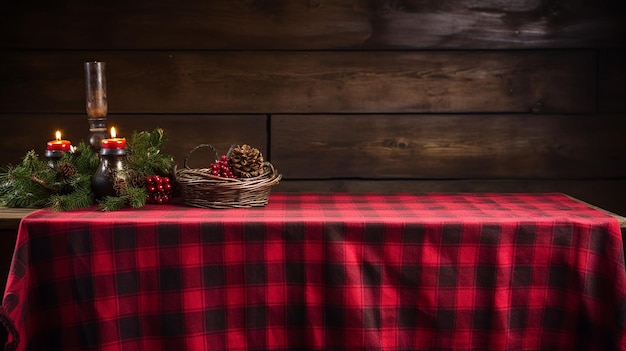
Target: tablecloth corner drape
6, 323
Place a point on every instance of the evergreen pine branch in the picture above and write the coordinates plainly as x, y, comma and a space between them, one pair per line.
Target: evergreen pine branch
32, 163
83, 158
18, 187
25, 199
112, 203
50, 188
130, 196
80, 198
136, 197
80, 180
144, 153
5, 180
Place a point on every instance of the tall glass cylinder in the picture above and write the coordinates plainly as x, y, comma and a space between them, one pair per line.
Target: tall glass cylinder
96, 89
96, 101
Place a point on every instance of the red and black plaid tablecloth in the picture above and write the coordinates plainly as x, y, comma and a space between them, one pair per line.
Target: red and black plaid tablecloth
322, 272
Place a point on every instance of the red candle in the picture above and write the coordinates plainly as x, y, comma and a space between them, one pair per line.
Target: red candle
114, 142
59, 144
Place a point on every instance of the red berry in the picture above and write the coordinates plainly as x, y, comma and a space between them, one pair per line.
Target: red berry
159, 187
219, 168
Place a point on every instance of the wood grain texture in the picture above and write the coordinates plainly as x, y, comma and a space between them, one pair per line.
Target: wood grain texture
612, 81
449, 146
310, 24
183, 133
305, 82
10, 218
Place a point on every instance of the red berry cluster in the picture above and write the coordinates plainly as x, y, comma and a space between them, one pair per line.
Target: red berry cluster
221, 168
159, 189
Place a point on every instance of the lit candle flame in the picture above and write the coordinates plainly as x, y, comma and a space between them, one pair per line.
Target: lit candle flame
113, 134
58, 135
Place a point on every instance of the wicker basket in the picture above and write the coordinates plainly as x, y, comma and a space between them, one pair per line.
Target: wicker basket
202, 189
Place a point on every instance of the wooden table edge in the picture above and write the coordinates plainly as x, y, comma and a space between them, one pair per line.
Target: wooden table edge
620, 219
10, 217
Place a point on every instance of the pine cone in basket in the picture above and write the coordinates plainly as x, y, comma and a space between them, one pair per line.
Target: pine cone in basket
246, 161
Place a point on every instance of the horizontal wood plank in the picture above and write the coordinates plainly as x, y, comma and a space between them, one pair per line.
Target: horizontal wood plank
305, 82
449, 146
310, 24
10, 218
373, 146
612, 81
183, 132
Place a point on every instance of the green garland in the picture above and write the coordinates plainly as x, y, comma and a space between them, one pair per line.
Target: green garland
66, 185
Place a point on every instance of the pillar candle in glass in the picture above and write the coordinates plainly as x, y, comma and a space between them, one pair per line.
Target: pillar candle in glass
96, 101
112, 170
55, 149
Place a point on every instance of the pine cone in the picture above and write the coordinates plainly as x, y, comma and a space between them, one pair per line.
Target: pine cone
136, 180
66, 169
120, 184
246, 161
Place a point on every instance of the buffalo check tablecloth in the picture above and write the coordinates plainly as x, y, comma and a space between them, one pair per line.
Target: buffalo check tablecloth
322, 272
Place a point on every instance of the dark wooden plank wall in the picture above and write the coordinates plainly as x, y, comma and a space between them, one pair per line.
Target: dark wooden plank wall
340, 95
360, 96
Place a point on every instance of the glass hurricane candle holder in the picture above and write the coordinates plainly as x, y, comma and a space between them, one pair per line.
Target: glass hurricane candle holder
96, 101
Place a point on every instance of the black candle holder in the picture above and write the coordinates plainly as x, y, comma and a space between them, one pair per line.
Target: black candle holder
53, 157
111, 171
98, 132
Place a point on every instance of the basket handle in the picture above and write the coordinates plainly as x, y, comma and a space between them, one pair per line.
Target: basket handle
196, 148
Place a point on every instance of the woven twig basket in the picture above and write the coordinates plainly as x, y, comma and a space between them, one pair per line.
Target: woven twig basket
202, 189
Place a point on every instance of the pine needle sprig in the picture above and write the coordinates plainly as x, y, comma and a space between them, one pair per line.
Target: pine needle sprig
144, 153
79, 198
26, 184
136, 197
111, 203
83, 158
34, 183
131, 196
